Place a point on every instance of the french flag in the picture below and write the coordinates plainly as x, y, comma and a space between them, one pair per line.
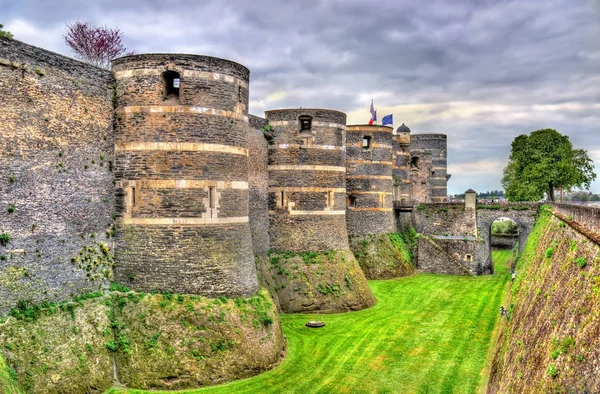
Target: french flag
373, 114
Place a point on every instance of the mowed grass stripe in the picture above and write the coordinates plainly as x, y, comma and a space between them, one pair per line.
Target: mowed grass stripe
427, 334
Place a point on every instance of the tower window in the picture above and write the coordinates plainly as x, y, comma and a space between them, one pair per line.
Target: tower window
240, 94
415, 162
330, 199
212, 201
281, 199
305, 124
366, 144
351, 201
172, 83
133, 196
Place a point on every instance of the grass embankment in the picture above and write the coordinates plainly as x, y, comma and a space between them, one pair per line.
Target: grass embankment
8, 378
427, 334
551, 341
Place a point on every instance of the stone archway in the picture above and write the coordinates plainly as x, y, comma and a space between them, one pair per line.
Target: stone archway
524, 215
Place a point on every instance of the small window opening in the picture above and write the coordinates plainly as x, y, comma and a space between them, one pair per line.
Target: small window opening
240, 94
305, 124
281, 199
469, 257
415, 162
172, 83
366, 142
330, 199
133, 196
212, 203
432, 173
351, 201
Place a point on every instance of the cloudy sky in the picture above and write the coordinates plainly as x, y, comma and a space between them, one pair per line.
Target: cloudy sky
481, 71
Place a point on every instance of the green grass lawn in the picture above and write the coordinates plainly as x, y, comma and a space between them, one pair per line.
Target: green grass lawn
427, 334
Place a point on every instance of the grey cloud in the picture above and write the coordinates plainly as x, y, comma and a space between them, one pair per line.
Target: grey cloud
517, 54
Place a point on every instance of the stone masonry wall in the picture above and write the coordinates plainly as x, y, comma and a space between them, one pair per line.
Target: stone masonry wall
307, 188
503, 241
369, 180
56, 184
444, 219
452, 256
587, 216
258, 186
430, 182
182, 172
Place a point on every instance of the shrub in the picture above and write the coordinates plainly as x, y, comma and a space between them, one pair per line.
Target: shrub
11, 208
4, 239
549, 252
551, 371
119, 287
581, 262
420, 207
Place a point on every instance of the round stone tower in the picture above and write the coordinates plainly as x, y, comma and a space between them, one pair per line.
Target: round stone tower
429, 180
182, 175
370, 213
401, 166
307, 213
369, 179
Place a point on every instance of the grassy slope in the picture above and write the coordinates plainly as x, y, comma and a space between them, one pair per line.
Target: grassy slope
7, 383
427, 334
552, 341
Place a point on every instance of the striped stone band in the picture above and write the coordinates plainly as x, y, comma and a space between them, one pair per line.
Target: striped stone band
307, 189
239, 114
363, 192
371, 209
297, 146
314, 123
186, 184
142, 72
185, 221
310, 213
300, 167
385, 177
387, 163
180, 147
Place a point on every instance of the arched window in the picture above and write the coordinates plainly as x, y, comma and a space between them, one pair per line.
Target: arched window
172, 82
415, 162
366, 144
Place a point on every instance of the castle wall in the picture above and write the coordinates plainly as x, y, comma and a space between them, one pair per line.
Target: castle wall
369, 180
307, 214
182, 176
445, 219
452, 256
258, 186
401, 167
307, 188
428, 172
56, 184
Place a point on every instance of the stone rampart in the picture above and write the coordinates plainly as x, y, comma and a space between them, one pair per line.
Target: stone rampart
56, 183
182, 175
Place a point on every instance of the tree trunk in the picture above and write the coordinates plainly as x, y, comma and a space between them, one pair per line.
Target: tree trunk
551, 192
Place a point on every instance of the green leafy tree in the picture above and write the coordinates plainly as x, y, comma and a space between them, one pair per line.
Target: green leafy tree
4, 33
543, 161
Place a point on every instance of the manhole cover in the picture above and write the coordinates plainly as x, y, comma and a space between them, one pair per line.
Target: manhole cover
315, 324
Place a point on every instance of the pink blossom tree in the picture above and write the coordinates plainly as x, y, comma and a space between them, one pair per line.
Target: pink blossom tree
96, 45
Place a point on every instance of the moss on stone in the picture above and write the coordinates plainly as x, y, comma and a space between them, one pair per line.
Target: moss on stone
384, 256
59, 350
139, 340
326, 281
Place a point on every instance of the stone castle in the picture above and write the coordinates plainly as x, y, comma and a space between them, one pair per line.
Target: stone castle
155, 176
